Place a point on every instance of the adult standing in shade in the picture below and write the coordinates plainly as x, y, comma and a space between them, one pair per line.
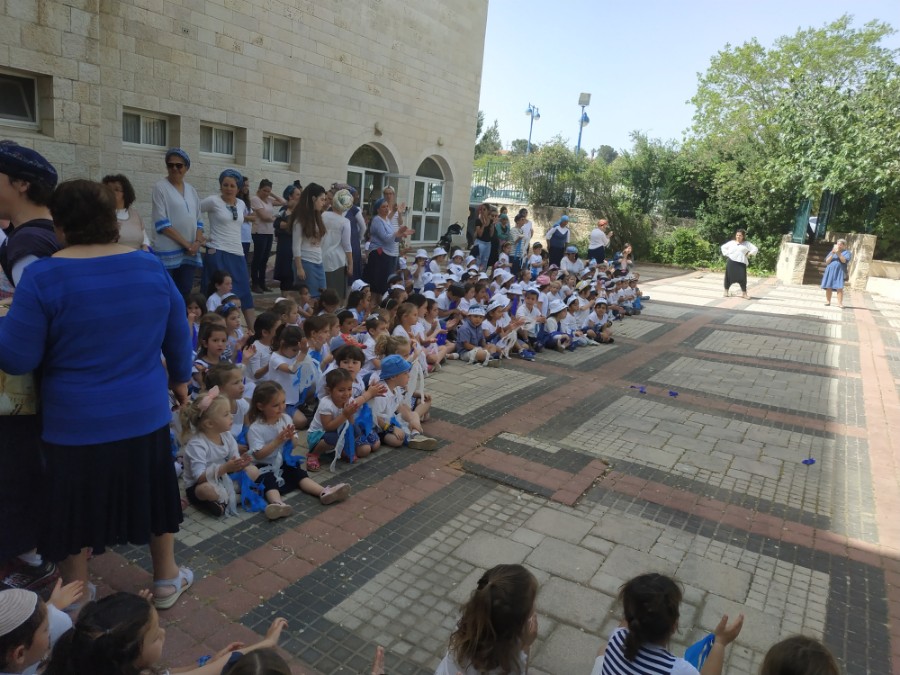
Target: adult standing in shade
284, 253
484, 234
176, 218
738, 252
337, 250
223, 249
598, 240
384, 247
836, 271
557, 240
96, 317
527, 229
357, 230
263, 204
307, 233
131, 228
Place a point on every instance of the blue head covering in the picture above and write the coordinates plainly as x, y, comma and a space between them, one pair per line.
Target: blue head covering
17, 161
288, 191
178, 152
377, 204
230, 173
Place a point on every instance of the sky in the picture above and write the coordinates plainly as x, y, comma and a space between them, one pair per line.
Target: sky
639, 60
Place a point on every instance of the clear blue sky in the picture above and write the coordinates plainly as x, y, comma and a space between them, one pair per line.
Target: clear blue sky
639, 60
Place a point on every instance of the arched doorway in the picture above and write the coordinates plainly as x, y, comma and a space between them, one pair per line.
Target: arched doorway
428, 202
367, 171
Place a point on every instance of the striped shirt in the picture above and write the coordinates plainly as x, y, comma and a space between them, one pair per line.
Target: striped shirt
650, 660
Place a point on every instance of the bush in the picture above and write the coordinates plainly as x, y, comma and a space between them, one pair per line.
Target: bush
684, 247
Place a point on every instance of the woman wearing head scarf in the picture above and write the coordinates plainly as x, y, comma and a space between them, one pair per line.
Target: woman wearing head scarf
357, 229
284, 255
223, 248
307, 233
384, 248
176, 218
337, 251
836, 271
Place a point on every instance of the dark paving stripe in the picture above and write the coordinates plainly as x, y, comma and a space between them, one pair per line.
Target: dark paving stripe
305, 603
856, 621
476, 469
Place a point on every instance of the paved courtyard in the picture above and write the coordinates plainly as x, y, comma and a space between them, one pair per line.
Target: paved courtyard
678, 449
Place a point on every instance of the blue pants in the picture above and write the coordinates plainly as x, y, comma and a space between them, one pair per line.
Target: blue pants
183, 277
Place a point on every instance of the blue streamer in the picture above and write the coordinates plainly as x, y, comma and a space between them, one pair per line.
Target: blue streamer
252, 494
696, 654
288, 456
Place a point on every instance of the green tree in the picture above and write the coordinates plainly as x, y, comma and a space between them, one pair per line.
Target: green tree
606, 153
489, 143
518, 146
548, 174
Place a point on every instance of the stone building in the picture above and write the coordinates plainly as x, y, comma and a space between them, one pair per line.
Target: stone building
367, 91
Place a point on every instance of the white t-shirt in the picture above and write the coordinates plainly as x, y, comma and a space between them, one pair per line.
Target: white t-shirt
224, 231
535, 260
327, 407
448, 666
286, 380
385, 407
369, 353
237, 425
530, 317
200, 453
261, 434
259, 360
597, 238
575, 267
434, 267
650, 660
213, 302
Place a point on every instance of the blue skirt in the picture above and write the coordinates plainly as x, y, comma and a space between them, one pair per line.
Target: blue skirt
834, 276
315, 278
236, 266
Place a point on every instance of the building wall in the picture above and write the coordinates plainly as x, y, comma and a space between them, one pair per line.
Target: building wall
332, 76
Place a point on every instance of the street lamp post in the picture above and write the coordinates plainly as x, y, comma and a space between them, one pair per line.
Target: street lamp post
533, 113
584, 101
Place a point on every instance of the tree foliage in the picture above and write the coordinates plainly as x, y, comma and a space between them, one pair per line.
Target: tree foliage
606, 153
518, 146
489, 143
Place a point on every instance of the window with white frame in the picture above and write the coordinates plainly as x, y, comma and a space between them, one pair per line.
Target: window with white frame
217, 140
141, 128
276, 149
18, 99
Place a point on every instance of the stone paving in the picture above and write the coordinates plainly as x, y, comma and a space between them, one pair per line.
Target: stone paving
678, 449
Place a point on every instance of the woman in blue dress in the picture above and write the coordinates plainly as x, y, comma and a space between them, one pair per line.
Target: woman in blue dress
836, 272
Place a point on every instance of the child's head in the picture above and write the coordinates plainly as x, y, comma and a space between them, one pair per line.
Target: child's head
395, 371
536, 248
228, 377
350, 358
232, 315
388, 306
302, 291
213, 318
531, 296
260, 662
799, 655
456, 293
339, 383
347, 321
376, 325
358, 300
476, 315
651, 604
24, 630
489, 633
264, 327
267, 403
328, 302
288, 341
219, 282
406, 315
196, 305
317, 328
506, 246
286, 310
392, 344
213, 339
209, 413
420, 301
117, 635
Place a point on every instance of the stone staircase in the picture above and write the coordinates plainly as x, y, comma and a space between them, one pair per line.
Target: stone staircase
815, 262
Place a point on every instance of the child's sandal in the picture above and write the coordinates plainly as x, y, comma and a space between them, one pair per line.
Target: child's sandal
312, 463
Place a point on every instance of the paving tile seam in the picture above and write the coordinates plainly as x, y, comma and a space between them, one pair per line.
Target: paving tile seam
779, 364
755, 522
791, 335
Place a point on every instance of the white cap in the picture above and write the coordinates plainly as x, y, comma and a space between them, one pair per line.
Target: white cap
437, 279
438, 251
430, 295
556, 305
16, 607
470, 259
358, 285
476, 310
459, 253
421, 253
483, 277
400, 286
498, 272
516, 289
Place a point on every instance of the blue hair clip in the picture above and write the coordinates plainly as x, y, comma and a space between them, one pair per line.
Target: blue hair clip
227, 307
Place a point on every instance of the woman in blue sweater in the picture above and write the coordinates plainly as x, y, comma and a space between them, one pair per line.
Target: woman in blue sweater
94, 318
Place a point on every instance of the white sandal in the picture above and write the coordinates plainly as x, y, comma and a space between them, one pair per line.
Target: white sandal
178, 583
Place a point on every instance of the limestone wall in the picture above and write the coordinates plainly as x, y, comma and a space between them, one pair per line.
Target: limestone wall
863, 248
403, 77
791, 261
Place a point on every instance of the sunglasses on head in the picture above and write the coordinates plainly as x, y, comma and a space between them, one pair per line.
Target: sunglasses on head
174, 165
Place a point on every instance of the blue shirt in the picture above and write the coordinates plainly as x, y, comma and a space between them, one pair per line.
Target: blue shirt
96, 327
468, 333
383, 235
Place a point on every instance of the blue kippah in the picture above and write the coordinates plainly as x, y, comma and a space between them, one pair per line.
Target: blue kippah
17, 161
230, 173
181, 153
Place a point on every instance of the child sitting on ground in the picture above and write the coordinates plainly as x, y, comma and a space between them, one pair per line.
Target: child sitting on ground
286, 361
229, 378
553, 337
337, 409
271, 439
651, 605
393, 416
121, 634
471, 344
211, 454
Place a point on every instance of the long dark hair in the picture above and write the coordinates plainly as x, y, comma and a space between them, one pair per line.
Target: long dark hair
489, 633
305, 214
106, 640
651, 603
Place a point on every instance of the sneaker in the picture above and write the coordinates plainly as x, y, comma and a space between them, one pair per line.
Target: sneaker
334, 493
41, 579
276, 511
453, 357
527, 354
422, 442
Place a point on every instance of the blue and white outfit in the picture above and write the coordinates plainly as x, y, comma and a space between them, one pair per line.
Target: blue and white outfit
650, 660
836, 271
181, 212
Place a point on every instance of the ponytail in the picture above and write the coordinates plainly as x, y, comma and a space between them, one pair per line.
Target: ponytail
651, 603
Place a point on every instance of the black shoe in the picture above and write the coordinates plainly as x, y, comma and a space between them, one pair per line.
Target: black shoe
215, 509
41, 579
256, 289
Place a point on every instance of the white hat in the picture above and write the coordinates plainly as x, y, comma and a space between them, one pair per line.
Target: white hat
437, 279
430, 295
556, 305
358, 285
498, 302
572, 298
516, 289
476, 310
399, 286
342, 200
454, 277
483, 277
421, 253
427, 278
498, 272
506, 277
470, 259
581, 285
16, 607
459, 253
438, 251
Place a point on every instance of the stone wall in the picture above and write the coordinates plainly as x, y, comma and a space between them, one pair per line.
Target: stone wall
863, 248
331, 77
791, 264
